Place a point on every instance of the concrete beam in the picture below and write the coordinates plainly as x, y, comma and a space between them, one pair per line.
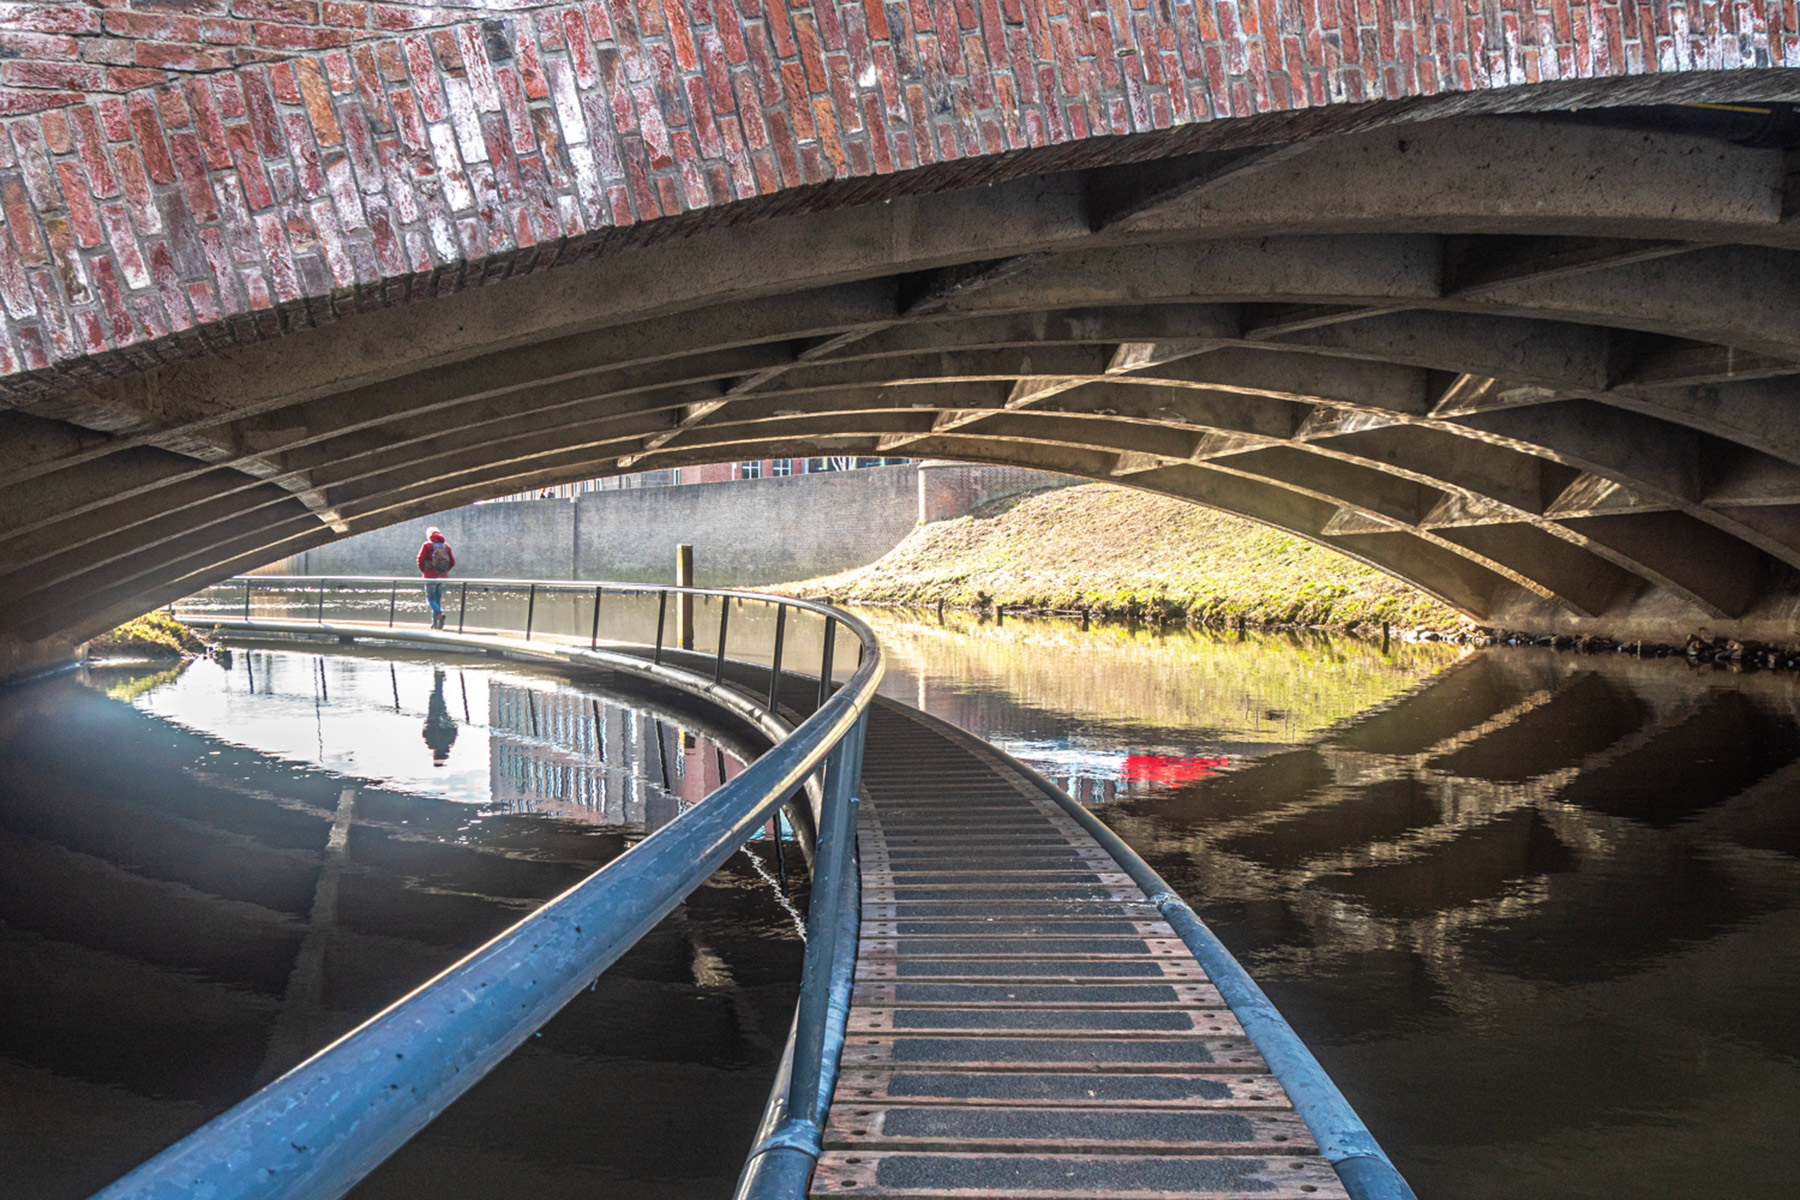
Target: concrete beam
1501, 175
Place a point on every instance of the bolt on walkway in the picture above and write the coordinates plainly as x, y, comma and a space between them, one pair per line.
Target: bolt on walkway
1025, 1025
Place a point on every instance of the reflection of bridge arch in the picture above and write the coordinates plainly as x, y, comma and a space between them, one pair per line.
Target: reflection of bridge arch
1537, 365
1498, 791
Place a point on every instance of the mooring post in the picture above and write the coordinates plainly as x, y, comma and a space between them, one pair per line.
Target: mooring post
684, 609
594, 634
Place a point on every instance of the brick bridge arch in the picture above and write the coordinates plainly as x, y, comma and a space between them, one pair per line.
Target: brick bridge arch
1496, 297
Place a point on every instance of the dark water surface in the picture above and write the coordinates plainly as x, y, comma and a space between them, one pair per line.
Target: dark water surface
1537, 913
207, 874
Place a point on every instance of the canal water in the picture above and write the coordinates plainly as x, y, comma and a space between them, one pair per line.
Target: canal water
1538, 913
208, 873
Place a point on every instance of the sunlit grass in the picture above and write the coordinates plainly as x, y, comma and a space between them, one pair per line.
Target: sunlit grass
1112, 551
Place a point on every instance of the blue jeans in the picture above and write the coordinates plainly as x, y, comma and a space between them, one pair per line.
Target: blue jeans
434, 596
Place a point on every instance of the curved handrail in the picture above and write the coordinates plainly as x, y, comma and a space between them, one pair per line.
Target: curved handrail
324, 1125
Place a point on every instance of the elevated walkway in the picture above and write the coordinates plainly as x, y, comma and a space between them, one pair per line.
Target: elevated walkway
1002, 1001
1025, 1022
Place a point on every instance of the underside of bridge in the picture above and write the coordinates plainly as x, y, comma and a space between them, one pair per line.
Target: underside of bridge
1545, 366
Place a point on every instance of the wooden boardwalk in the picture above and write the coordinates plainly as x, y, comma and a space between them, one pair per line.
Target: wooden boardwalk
1025, 1026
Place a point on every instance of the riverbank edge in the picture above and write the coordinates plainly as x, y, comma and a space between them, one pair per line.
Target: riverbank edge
1079, 552
1698, 649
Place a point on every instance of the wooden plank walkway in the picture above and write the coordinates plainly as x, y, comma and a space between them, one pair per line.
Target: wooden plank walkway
1025, 1026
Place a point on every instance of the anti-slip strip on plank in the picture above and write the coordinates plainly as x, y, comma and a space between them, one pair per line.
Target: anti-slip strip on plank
1080, 1089
1060, 1129
1091, 927
1010, 993
986, 1052
914, 1176
1073, 1022
906, 881
1050, 946
1036, 970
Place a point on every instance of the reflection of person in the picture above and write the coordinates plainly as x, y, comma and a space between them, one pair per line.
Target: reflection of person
435, 564
440, 730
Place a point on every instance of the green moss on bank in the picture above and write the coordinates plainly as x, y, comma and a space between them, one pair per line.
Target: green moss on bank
154, 635
1113, 551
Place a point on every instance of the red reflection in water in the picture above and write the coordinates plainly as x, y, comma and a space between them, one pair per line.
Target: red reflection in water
1167, 770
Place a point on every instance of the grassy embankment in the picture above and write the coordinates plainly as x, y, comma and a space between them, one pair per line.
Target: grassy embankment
1115, 552
154, 635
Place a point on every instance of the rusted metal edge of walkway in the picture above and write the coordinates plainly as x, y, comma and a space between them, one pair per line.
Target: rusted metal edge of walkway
1026, 1024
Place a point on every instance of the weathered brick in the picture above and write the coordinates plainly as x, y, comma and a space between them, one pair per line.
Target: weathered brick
74, 76
562, 119
299, 37
112, 300
182, 56
84, 218
317, 97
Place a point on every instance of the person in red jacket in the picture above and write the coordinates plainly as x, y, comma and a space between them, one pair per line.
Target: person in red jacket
435, 564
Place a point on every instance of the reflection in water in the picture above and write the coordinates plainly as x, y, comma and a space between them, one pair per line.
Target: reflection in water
1539, 914
440, 729
202, 884
1120, 709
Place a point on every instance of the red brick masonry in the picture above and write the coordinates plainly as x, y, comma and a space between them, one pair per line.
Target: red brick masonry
188, 174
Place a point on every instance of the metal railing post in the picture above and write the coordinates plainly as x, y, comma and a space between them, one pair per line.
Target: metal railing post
724, 624
825, 661
246, 599
393, 603
662, 615
464, 610
530, 610
775, 666
594, 635
321, 602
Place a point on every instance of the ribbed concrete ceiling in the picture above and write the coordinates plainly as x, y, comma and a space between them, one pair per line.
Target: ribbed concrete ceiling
1545, 368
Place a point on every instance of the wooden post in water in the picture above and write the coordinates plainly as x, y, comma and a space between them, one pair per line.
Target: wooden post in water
684, 608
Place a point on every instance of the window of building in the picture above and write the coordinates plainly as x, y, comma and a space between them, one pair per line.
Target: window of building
749, 470
781, 466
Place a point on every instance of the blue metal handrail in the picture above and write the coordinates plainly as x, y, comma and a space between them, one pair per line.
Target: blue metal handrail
327, 1123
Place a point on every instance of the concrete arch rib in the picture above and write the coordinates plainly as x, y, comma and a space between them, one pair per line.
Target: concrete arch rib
1712, 571
1526, 555
1232, 330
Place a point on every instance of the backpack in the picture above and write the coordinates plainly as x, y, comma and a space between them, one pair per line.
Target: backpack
439, 557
